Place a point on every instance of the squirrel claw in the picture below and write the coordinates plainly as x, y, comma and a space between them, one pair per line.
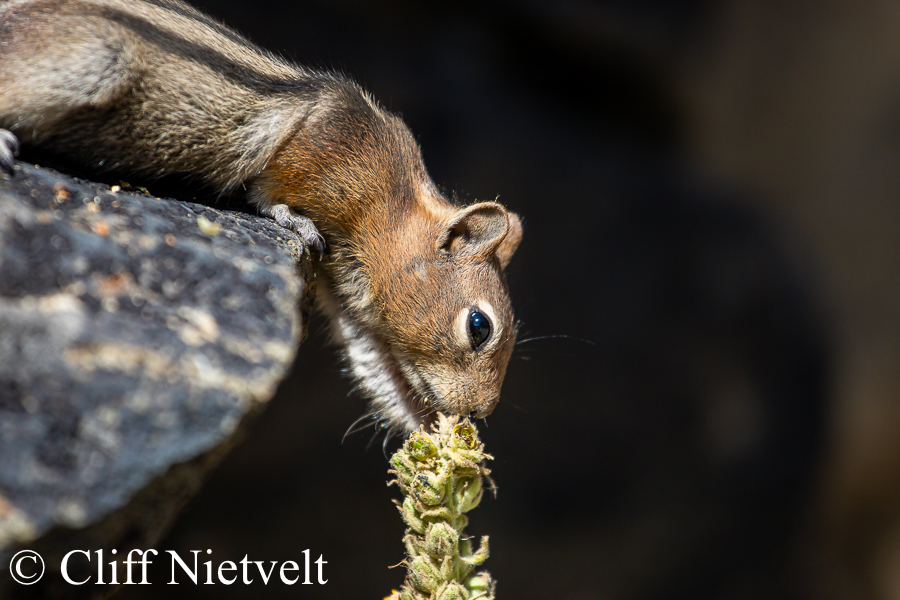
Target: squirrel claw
9, 148
303, 226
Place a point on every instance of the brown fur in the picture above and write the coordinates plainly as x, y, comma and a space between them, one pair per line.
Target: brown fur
152, 88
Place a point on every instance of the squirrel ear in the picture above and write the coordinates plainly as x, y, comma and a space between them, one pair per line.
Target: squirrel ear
475, 231
509, 244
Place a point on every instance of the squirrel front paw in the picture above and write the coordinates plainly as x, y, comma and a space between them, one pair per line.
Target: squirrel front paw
284, 216
9, 148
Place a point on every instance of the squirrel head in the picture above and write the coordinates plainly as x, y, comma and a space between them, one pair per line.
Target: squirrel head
447, 308
430, 326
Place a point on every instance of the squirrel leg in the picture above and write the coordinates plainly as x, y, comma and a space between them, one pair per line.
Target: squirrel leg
304, 227
9, 147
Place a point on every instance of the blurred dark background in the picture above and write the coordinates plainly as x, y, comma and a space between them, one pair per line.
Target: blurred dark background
709, 192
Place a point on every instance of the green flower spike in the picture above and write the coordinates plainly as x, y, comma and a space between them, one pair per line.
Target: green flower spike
440, 473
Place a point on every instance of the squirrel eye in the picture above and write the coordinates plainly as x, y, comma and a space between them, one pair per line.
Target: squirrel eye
479, 328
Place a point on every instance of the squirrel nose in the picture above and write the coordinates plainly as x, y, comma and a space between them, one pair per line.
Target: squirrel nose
480, 413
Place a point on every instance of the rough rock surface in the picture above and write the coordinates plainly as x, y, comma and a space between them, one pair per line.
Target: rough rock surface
136, 335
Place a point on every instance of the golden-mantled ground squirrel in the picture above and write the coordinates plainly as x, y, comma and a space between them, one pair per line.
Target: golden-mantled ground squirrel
414, 285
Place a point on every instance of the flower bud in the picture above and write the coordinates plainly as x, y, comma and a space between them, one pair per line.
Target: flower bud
411, 516
408, 593
404, 468
440, 540
480, 584
482, 595
464, 437
465, 462
468, 493
423, 575
452, 591
414, 544
429, 487
420, 446
441, 513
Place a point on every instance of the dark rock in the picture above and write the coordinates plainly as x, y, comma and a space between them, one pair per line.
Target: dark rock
136, 337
